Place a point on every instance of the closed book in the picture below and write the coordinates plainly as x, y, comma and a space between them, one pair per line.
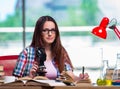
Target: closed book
1, 68
2, 73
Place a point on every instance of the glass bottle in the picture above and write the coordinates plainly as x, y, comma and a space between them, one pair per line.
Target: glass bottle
105, 74
104, 68
103, 80
116, 72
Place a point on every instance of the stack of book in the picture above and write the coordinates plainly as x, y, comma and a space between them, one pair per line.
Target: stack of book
1, 74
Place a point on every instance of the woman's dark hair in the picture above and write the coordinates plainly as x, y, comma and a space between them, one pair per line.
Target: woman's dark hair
58, 50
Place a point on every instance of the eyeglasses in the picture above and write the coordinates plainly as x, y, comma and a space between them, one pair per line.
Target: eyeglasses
47, 31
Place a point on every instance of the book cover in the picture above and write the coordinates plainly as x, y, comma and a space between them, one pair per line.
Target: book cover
2, 73
1, 68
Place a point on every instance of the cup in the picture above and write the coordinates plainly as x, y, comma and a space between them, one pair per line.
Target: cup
9, 79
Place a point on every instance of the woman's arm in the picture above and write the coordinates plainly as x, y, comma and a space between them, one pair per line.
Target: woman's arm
70, 72
80, 77
19, 68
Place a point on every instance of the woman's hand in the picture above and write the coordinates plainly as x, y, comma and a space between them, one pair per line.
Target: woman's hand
84, 76
33, 70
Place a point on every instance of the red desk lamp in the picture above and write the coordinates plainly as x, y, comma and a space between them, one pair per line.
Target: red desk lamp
100, 30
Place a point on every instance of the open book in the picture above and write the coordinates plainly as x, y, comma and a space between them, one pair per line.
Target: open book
37, 81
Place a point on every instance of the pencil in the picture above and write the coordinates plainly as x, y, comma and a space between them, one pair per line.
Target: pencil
83, 69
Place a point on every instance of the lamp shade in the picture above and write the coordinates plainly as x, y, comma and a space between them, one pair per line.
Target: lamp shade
100, 30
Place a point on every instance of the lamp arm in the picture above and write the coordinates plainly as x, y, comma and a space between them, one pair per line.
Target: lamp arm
117, 31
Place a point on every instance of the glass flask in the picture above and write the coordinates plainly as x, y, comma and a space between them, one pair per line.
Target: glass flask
105, 66
116, 72
103, 80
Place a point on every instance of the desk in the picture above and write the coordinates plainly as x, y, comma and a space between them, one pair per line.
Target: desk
59, 87
86, 87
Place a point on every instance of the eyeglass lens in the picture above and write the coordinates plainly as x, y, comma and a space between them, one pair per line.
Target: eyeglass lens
46, 31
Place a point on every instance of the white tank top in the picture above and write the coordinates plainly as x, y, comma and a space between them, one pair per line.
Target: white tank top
51, 70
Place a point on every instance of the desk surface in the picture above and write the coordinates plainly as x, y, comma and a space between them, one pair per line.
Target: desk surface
59, 87
87, 87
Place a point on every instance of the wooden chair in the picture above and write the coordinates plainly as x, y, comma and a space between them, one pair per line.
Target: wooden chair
8, 62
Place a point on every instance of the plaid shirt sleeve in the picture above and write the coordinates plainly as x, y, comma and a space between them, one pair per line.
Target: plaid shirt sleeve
20, 65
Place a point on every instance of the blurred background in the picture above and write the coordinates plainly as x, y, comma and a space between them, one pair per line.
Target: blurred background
75, 18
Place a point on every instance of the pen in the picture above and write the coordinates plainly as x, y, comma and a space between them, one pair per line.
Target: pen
83, 69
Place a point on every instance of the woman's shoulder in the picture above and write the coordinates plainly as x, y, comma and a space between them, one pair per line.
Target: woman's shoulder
28, 49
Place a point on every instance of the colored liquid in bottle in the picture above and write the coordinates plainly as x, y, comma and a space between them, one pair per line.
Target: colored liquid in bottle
100, 82
116, 82
108, 82
104, 82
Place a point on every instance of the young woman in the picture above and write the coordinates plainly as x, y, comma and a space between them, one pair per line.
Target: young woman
46, 35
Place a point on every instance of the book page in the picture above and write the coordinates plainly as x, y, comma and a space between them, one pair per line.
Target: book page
51, 82
40, 81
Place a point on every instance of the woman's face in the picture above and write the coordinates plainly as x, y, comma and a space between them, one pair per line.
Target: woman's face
49, 32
